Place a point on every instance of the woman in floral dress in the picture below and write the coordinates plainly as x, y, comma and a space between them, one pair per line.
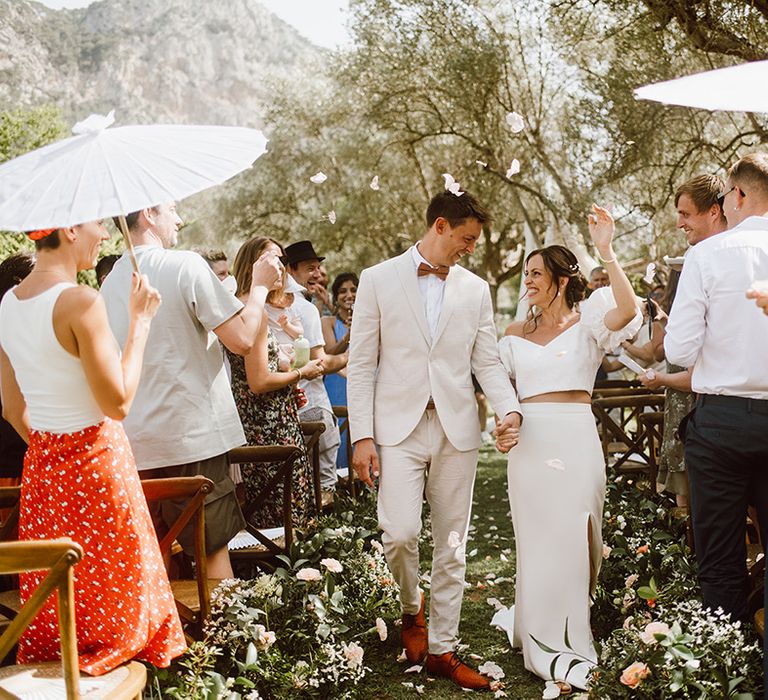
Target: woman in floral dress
265, 394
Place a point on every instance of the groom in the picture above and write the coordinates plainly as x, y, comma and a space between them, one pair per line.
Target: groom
422, 325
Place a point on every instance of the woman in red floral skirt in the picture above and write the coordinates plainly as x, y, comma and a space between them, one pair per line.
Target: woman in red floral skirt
65, 388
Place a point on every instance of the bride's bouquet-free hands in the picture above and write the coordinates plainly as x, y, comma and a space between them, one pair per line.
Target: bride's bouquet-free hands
507, 432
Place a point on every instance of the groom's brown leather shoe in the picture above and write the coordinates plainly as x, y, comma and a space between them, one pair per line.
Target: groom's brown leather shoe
450, 666
414, 635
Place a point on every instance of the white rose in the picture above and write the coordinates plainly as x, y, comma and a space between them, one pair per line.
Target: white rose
648, 635
308, 574
333, 565
353, 653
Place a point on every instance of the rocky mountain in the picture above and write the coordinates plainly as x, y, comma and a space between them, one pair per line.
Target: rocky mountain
184, 61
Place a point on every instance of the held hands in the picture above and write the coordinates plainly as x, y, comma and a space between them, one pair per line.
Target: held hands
601, 229
144, 300
507, 432
653, 380
312, 370
365, 461
266, 270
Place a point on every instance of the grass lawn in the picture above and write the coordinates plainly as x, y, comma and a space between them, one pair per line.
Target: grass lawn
493, 539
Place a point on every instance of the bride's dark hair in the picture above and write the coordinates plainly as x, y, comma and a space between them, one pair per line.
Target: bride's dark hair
560, 263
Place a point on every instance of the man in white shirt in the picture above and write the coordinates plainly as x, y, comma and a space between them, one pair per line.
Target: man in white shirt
422, 325
723, 337
184, 419
304, 265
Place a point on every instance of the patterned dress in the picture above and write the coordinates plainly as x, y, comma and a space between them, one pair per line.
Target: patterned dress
85, 486
271, 418
677, 405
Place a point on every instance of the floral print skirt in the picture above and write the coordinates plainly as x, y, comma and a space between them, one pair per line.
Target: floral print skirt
85, 486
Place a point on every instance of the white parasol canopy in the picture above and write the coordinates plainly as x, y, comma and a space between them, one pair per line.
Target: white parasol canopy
101, 172
742, 88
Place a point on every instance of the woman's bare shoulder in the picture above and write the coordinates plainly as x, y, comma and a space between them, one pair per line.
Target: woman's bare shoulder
516, 328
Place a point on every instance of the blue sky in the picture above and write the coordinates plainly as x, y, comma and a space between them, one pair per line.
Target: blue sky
321, 21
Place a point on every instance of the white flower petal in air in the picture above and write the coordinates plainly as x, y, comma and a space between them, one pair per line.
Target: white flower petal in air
515, 122
514, 168
555, 464
318, 178
482, 163
551, 691
375, 183
492, 670
650, 273
332, 216
416, 668
451, 185
454, 539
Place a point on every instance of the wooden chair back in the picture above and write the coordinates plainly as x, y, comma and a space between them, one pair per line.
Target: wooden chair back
313, 431
195, 489
629, 434
287, 455
348, 481
59, 558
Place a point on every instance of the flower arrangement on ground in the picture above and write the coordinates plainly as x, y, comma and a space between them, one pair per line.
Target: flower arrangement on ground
684, 652
300, 631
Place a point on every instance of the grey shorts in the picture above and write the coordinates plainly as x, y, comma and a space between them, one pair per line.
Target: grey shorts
223, 517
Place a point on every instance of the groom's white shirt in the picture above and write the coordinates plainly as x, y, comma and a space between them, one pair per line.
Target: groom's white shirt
432, 289
396, 362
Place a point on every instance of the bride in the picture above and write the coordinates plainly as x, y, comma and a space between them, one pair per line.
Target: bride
556, 474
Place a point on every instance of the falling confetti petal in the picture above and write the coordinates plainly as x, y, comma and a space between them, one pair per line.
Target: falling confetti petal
332, 216
514, 168
515, 122
555, 464
375, 183
650, 273
413, 669
451, 185
319, 178
482, 163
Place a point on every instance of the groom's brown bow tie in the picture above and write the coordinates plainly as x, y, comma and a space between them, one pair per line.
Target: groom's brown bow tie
440, 271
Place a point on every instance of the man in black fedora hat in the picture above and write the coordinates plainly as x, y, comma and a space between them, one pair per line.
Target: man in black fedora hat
304, 265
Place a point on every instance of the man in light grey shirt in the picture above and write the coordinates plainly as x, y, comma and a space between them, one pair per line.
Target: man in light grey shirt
184, 419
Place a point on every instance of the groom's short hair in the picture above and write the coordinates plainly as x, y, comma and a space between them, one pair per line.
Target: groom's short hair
456, 209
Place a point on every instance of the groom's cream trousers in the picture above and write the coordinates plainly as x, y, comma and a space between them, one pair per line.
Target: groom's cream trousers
426, 463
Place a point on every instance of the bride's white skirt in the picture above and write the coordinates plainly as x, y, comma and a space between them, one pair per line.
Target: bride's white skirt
556, 478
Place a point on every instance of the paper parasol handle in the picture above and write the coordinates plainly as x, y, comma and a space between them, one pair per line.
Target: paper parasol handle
128, 242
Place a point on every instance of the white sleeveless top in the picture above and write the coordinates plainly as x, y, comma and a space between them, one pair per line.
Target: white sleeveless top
568, 362
52, 381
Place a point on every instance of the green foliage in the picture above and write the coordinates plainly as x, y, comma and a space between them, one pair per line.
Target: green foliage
23, 130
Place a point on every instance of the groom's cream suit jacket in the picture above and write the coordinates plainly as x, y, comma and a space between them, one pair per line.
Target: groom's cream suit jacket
395, 366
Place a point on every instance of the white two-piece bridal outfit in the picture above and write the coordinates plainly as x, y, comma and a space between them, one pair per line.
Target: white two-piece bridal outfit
556, 478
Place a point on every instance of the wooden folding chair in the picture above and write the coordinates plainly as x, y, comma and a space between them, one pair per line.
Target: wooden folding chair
193, 597
629, 437
58, 557
262, 546
345, 476
313, 430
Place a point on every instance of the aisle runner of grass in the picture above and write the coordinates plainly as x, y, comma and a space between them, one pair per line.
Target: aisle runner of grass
490, 574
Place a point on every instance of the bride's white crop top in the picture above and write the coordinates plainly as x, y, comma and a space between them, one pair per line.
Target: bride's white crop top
568, 362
